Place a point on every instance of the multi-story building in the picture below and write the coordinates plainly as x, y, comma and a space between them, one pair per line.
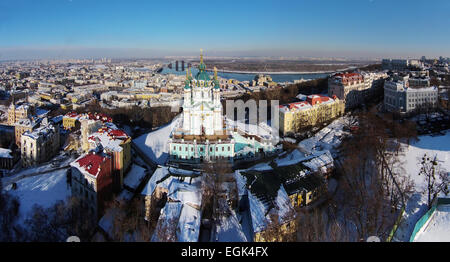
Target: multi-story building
24, 125
39, 145
91, 180
400, 96
419, 82
8, 158
73, 120
354, 88
314, 110
400, 64
19, 111
118, 144
88, 126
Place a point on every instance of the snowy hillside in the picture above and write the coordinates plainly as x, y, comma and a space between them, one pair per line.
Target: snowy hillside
44, 190
155, 144
416, 206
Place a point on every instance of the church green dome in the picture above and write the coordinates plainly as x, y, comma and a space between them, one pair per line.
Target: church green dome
216, 84
202, 75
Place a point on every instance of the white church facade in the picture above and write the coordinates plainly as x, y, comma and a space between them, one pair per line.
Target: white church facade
203, 135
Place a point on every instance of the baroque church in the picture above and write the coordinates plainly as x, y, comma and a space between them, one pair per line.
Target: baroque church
203, 136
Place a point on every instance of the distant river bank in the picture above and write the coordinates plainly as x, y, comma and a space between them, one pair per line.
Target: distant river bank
278, 77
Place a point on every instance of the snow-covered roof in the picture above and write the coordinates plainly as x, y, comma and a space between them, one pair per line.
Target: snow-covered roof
169, 214
43, 131
260, 212
164, 176
422, 89
90, 164
5, 153
186, 193
189, 224
230, 229
109, 138
307, 103
319, 162
134, 176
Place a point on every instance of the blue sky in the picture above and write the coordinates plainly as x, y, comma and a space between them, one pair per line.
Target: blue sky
113, 28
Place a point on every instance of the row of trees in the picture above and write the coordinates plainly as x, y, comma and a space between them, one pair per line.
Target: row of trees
53, 224
371, 185
135, 116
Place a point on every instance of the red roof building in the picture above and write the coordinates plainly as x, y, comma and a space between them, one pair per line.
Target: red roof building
91, 180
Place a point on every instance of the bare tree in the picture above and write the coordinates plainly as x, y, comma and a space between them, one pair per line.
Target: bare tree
128, 221
63, 219
277, 231
166, 231
371, 191
9, 213
437, 180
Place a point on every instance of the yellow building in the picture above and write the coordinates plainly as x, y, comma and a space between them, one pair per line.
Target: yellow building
308, 189
66, 106
314, 110
22, 126
277, 233
71, 120
46, 96
19, 111
147, 96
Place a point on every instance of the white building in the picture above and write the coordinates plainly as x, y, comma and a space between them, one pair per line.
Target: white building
400, 96
39, 145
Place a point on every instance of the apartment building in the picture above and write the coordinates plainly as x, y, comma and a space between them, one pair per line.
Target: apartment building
355, 88
19, 111
91, 180
39, 145
315, 109
401, 96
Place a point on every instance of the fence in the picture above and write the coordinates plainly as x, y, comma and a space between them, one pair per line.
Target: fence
424, 219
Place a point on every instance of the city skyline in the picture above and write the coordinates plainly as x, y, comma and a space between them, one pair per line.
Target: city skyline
115, 29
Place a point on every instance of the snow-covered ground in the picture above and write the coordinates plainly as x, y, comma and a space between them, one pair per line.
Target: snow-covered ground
155, 144
44, 190
416, 206
15, 175
437, 229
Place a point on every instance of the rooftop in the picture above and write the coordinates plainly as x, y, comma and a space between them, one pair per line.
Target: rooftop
90, 163
109, 138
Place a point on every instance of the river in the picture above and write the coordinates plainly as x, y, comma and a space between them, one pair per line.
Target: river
279, 78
